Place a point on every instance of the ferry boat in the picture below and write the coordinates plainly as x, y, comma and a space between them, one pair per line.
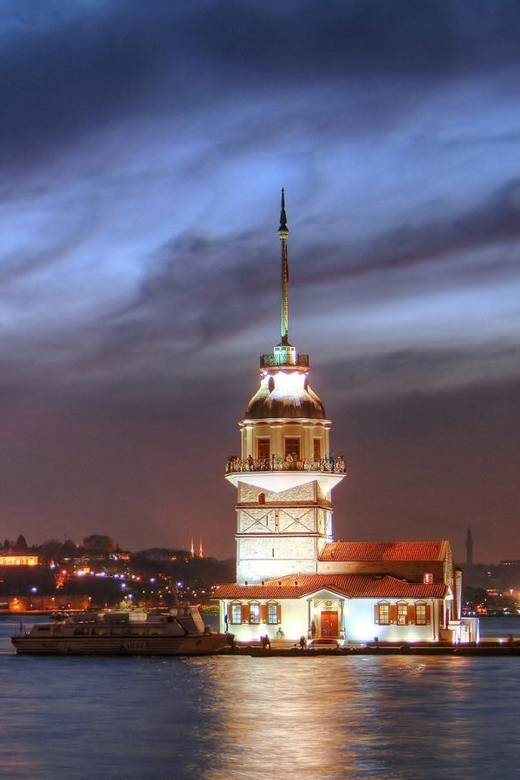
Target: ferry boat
180, 631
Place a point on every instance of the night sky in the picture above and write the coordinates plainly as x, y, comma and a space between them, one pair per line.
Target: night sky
143, 146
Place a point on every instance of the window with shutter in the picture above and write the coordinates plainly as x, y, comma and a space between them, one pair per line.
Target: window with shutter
383, 613
236, 614
273, 614
402, 613
254, 613
420, 613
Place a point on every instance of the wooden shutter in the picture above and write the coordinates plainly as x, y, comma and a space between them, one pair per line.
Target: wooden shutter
263, 613
229, 613
245, 613
428, 614
376, 613
411, 614
279, 612
392, 610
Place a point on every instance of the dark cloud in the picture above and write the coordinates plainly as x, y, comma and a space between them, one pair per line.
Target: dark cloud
214, 271
131, 329
490, 224
66, 72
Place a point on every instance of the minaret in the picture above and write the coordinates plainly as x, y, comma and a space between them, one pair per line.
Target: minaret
469, 549
285, 472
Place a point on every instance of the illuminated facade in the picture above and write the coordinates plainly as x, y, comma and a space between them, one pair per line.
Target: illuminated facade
293, 580
15, 559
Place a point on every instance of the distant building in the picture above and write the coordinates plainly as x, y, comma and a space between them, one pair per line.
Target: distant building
18, 559
293, 579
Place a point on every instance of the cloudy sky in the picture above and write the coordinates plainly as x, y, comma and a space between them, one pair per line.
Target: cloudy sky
143, 146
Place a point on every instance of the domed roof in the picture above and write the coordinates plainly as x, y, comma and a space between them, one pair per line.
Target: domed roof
285, 394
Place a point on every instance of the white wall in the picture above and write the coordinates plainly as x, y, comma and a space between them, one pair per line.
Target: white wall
359, 623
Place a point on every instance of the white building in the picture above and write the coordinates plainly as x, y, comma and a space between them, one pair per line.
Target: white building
293, 580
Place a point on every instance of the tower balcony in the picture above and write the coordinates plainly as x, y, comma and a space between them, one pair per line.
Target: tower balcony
284, 356
276, 474
334, 464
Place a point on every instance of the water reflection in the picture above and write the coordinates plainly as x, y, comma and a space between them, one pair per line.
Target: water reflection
243, 718
354, 718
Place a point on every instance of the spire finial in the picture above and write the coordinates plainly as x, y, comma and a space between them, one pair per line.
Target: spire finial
283, 232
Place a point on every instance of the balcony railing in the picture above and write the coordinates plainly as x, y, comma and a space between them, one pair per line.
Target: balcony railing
284, 359
335, 464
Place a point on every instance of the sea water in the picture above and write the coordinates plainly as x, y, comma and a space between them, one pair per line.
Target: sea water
247, 718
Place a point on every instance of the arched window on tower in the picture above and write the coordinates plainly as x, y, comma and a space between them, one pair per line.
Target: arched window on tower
292, 448
264, 450
261, 498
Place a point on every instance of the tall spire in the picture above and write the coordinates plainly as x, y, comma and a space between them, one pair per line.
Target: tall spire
283, 232
469, 549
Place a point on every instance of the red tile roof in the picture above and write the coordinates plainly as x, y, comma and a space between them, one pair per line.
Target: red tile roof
383, 551
349, 585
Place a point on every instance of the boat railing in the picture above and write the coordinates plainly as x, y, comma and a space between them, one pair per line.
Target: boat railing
335, 464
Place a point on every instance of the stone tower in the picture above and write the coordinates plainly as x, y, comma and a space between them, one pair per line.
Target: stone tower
285, 472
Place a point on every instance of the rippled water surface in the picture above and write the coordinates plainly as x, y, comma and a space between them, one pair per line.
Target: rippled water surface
219, 718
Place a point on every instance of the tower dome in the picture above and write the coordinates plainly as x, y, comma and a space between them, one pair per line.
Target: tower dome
285, 393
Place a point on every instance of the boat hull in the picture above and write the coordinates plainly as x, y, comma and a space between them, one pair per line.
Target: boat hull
207, 644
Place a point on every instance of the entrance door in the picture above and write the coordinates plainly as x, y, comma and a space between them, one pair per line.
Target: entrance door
329, 623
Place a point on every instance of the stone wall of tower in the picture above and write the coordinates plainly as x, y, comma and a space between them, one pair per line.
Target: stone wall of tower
271, 557
309, 491
280, 532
